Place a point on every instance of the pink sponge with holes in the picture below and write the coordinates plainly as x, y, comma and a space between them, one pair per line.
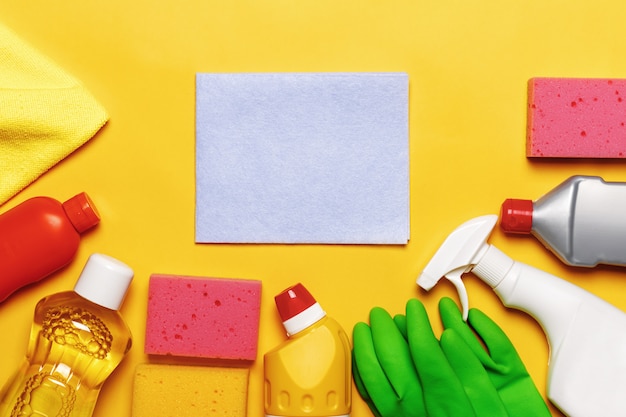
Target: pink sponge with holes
198, 317
576, 118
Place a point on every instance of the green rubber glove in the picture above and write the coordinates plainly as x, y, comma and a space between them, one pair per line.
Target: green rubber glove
477, 384
383, 368
411, 375
443, 392
450, 378
360, 386
501, 361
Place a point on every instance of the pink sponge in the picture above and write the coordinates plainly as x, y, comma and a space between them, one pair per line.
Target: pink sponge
214, 318
576, 118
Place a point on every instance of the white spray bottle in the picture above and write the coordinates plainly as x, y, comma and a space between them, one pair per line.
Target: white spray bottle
587, 335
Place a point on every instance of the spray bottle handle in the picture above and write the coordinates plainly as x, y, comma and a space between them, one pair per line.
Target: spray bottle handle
458, 254
454, 277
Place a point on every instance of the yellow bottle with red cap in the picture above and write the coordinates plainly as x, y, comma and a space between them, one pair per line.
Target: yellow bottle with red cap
309, 374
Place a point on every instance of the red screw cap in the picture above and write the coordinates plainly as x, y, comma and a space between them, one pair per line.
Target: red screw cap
517, 216
81, 212
293, 301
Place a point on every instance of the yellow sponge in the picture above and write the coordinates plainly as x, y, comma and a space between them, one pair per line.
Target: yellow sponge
183, 390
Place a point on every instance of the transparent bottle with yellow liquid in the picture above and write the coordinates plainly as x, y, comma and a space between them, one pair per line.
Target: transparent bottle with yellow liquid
77, 339
309, 374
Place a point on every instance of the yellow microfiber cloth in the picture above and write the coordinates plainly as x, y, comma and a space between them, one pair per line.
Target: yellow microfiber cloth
45, 114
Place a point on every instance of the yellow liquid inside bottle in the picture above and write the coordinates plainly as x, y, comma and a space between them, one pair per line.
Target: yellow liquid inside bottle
74, 346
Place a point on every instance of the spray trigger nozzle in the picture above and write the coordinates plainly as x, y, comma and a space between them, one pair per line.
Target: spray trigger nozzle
458, 254
455, 278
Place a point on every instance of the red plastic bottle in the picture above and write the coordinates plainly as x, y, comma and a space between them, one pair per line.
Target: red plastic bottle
40, 236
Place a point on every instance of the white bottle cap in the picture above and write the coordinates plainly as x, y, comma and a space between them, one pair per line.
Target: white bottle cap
104, 281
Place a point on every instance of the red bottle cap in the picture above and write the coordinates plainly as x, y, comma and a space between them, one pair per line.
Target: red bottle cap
293, 301
517, 216
81, 212
298, 309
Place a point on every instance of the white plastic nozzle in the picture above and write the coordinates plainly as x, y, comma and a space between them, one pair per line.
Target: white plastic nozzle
457, 255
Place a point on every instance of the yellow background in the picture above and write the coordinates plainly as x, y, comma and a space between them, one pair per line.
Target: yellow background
468, 63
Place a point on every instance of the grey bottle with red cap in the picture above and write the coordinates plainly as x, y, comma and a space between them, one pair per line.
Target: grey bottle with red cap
582, 221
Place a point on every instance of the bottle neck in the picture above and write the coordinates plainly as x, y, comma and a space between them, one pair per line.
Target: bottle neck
493, 266
304, 319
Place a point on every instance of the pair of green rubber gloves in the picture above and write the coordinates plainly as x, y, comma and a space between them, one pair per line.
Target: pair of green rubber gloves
402, 370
